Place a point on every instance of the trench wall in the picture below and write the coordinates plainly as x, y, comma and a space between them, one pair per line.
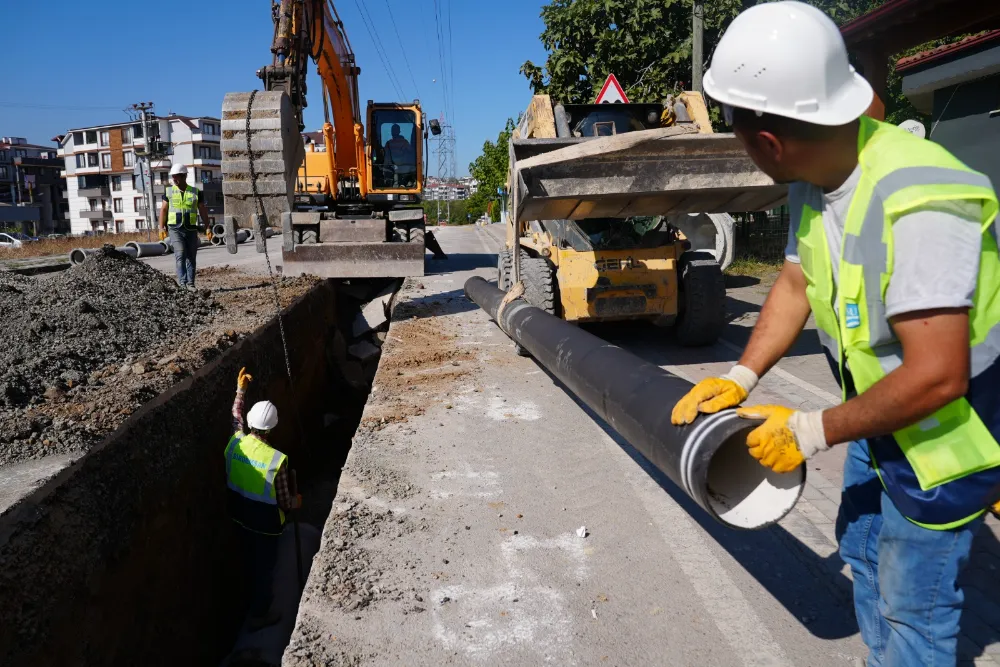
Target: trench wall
127, 557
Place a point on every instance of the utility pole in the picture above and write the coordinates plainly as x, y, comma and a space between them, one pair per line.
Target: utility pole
697, 44
446, 164
146, 164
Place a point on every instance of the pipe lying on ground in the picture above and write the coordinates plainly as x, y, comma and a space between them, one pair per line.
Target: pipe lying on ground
148, 249
78, 255
167, 248
708, 459
219, 229
217, 241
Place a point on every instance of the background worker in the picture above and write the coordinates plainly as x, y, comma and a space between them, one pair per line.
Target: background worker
179, 212
259, 495
893, 249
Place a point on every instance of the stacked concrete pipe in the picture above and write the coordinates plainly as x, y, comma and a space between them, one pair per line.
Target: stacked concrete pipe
80, 255
148, 249
708, 460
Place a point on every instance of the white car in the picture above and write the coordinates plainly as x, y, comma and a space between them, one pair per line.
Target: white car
8, 241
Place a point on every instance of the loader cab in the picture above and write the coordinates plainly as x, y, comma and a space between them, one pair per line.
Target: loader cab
395, 152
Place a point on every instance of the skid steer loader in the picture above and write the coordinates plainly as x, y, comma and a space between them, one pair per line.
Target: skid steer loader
618, 212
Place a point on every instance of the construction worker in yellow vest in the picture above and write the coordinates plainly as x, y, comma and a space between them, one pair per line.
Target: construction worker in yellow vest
893, 250
182, 204
259, 495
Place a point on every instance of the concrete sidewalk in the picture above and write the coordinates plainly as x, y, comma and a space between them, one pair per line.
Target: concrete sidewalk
453, 538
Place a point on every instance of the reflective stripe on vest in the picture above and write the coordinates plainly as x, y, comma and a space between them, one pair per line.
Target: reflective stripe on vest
954, 446
183, 206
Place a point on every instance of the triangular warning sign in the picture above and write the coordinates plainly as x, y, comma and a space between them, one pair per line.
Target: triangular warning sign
612, 92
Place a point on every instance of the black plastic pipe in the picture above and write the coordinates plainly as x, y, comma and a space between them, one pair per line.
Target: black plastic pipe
708, 460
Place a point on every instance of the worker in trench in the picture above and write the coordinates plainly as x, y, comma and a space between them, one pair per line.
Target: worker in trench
182, 204
893, 249
259, 495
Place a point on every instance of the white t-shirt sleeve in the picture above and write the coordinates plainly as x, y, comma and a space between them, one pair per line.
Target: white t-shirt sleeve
796, 195
935, 258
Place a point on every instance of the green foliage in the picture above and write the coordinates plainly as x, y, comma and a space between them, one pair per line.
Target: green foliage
491, 167
455, 214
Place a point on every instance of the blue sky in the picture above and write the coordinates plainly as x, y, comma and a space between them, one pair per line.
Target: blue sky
73, 63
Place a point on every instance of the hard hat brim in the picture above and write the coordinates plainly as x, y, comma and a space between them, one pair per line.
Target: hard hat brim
851, 103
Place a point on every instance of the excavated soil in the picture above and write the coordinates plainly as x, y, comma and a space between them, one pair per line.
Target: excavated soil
89, 346
422, 374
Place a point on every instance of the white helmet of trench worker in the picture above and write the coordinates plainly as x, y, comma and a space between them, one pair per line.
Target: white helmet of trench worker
178, 169
788, 59
263, 416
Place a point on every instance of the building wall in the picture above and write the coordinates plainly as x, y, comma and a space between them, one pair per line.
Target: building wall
46, 196
185, 141
963, 123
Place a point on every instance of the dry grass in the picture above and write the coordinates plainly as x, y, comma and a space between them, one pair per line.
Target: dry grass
48, 247
756, 268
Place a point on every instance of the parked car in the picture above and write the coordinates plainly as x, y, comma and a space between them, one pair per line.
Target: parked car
8, 241
21, 236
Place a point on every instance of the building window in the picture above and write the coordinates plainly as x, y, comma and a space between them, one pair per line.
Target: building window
78, 138
116, 184
81, 160
3, 173
105, 138
20, 152
92, 159
205, 176
126, 135
164, 178
91, 137
211, 221
93, 204
105, 160
208, 128
119, 207
140, 203
140, 223
135, 182
129, 158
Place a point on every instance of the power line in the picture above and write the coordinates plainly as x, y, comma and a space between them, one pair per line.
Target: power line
399, 40
441, 60
385, 52
378, 50
451, 63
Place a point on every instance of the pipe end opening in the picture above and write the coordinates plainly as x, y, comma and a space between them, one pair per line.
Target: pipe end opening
745, 494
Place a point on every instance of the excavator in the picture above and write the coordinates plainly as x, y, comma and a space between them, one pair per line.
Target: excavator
348, 208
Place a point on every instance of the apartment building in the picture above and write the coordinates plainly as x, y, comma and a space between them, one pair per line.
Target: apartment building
441, 190
32, 191
103, 188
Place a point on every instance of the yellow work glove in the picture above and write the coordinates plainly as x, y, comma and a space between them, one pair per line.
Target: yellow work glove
243, 380
163, 234
786, 438
714, 394
209, 235
996, 509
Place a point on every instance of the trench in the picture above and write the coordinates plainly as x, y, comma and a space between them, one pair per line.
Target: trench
127, 556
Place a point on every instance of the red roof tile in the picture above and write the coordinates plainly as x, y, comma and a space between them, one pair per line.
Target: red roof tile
947, 49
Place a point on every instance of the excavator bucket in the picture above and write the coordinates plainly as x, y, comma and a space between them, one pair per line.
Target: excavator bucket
275, 148
663, 171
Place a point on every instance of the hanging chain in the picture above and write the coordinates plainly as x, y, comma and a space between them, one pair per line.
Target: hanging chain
267, 258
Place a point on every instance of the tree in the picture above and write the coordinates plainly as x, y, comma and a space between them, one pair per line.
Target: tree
490, 170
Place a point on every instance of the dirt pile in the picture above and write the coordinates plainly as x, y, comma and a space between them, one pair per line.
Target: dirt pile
103, 311
89, 346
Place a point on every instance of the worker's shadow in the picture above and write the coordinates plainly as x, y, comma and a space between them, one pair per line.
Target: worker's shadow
459, 261
810, 586
434, 305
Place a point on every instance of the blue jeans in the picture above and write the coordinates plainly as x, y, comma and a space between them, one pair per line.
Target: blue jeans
185, 244
906, 594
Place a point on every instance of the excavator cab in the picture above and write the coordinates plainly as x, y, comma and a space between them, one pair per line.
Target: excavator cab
395, 153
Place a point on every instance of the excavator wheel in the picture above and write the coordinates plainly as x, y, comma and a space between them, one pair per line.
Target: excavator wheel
309, 235
702, 300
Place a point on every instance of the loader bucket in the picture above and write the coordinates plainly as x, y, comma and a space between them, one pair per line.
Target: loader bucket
355, 260
662, 171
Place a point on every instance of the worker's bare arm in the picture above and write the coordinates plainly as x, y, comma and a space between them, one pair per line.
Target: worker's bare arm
934, 372
781, 320
163, 214
203, 212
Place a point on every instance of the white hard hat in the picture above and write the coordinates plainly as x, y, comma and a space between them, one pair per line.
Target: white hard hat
788, 59
178, 169
263, 416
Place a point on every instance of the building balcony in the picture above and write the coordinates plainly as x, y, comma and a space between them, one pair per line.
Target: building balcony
96, 215
208, 162
211, 138
100, 191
